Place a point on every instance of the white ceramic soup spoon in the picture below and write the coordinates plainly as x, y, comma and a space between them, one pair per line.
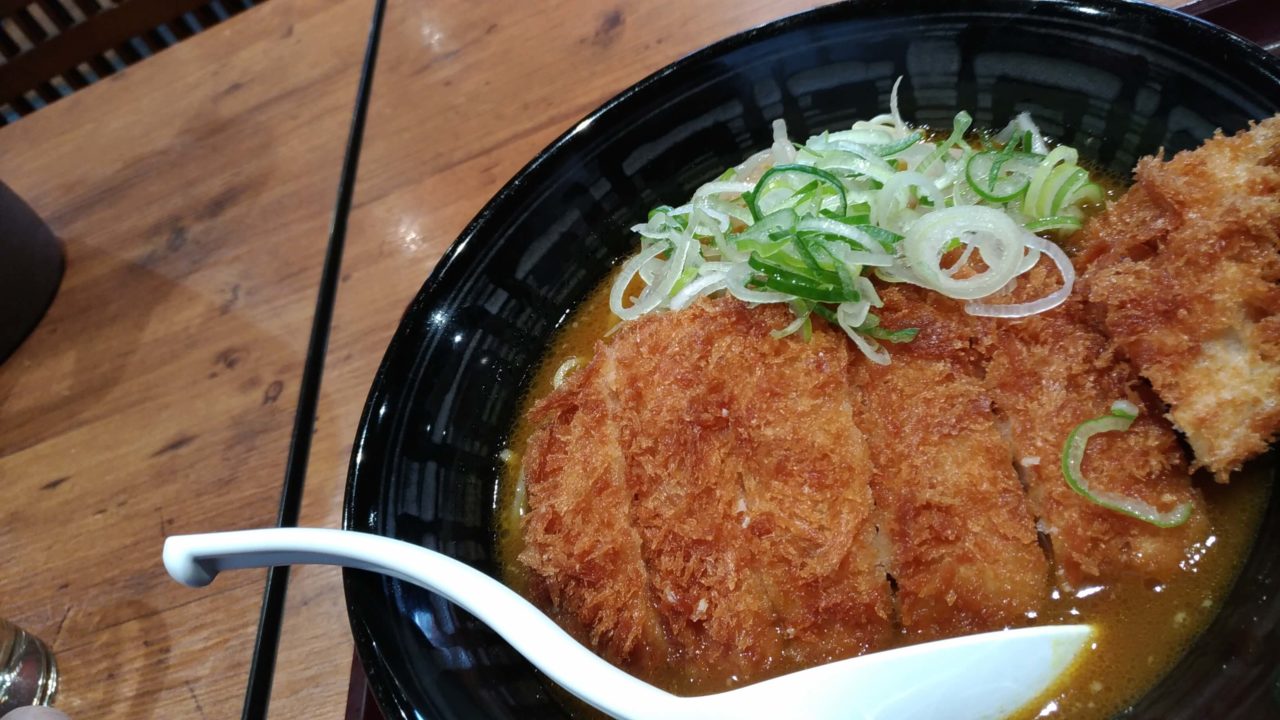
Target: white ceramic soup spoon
979, 676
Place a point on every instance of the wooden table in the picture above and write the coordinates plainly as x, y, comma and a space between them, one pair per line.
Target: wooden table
194, 194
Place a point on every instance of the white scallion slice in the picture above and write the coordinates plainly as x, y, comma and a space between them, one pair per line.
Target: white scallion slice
800, 323
998, 239
725, 186
631, 269
563, 371
1038, 202
891, 207
850, 317
868, 292
736, 283
893, 105
783, 151
1021, 124
1044, 304
653, 295
699, 287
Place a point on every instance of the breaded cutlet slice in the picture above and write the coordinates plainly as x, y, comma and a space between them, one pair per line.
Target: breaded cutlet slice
684, 481
963, 546
805, 470
583, 554
1047, 374
747, 492
1182, 271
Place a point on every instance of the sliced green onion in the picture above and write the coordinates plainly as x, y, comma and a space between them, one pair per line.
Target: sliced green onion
858, 214
818, 287
780, 173
1090, 192
844, 262
890, 149
801, 324
825, 313
1054, 222
1119, 419
887, 238
1040, 193
805, 253
1075, 179
879, 199
1028, 141
904, 335
991, 231
959, 126
997, 176
689, 273
661, 209
769, 235
871, 327
818, 236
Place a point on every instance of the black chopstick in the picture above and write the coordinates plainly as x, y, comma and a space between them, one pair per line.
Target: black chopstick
262, 667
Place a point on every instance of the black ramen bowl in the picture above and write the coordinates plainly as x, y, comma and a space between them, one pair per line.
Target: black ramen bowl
1118, 80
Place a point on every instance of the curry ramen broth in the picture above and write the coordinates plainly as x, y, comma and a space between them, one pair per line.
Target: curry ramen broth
1141, 629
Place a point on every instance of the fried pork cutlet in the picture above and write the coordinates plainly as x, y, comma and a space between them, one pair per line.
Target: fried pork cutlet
1047, 374
1183, 271
964, 554
805, 471
733, 500
584, 556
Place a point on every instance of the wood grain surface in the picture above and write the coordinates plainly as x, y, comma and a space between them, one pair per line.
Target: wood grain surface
194, 193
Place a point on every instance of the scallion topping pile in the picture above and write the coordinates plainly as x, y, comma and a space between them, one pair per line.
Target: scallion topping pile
806, 225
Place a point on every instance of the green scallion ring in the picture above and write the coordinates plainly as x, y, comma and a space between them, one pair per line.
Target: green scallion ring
1121, 416
778, 172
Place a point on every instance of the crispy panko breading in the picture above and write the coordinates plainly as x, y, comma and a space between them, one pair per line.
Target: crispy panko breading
964, 554
737, 504
1182, 271
805, 470
584, 555
1050, 372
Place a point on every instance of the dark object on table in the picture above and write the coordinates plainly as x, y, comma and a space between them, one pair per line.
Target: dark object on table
51, 49
361, 705
1258, 20
30, 270
1118, 80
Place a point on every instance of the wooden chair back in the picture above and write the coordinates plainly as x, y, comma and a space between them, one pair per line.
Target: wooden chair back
51, 48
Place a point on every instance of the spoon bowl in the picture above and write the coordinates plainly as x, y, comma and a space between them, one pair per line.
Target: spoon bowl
969, 678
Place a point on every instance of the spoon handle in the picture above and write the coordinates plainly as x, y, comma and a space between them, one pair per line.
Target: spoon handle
196, 559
